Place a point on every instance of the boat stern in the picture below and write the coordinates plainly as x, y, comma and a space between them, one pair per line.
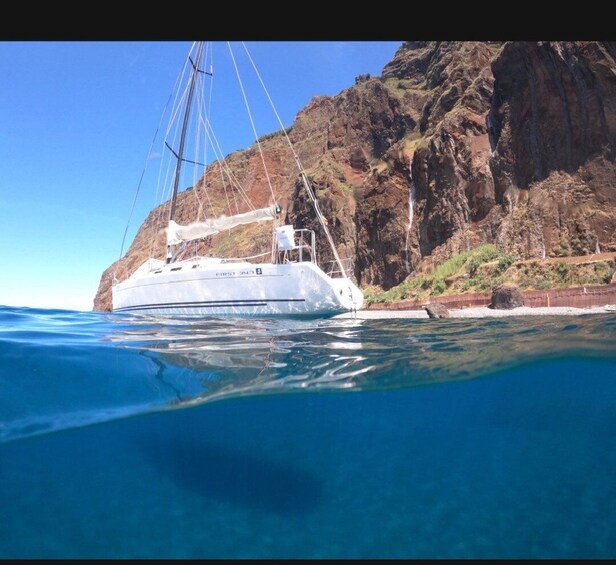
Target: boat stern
348, 293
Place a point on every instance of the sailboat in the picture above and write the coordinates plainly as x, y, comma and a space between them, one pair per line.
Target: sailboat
285, 280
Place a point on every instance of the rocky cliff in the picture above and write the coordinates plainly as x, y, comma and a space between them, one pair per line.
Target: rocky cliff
454, 145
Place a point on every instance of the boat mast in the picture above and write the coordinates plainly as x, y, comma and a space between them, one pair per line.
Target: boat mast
179, 155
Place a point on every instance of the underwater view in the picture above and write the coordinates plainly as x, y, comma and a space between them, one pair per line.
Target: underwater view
134, 437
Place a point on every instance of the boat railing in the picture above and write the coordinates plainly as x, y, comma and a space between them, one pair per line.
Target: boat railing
334, 269
305, 242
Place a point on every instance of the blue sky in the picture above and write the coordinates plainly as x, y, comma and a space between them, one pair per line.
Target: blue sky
76, 123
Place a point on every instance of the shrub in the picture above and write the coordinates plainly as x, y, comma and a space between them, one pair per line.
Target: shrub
603, 272
480, 255
438, 287
563, 272
483, 284
504, 263
563, 249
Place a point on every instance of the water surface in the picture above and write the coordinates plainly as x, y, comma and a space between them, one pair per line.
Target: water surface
138, 438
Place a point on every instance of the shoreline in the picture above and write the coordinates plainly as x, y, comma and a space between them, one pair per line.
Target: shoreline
574, 301
480, 312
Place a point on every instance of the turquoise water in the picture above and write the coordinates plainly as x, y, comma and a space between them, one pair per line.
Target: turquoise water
133, 438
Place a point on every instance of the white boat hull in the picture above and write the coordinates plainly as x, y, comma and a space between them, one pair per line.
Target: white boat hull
209, 287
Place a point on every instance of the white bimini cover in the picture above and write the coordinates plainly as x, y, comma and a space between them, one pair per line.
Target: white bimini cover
176, 233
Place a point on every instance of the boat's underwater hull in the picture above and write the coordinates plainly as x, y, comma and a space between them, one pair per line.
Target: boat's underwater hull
197, 289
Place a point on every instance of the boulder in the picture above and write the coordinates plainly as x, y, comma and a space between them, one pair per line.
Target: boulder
436, 311
506, 297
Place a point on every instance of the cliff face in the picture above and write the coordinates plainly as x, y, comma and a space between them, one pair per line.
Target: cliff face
456, 144
553, 126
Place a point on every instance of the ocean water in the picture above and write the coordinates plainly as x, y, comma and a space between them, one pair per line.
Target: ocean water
123, 437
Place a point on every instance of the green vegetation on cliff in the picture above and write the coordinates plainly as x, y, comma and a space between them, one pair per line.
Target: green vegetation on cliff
485, 267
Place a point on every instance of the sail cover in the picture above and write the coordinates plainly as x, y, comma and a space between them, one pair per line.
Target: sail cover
176, 233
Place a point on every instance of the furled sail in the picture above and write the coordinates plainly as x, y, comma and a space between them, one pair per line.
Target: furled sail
176, 233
